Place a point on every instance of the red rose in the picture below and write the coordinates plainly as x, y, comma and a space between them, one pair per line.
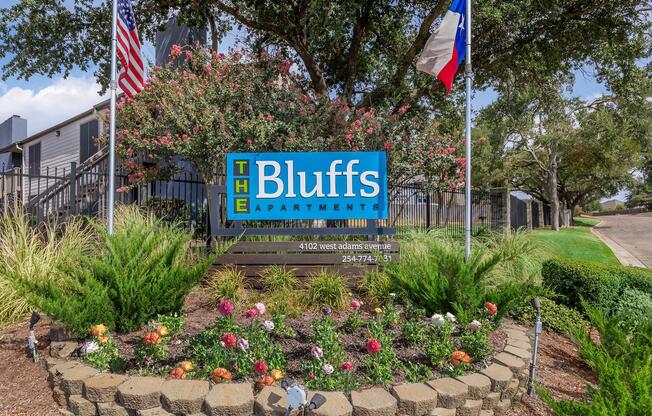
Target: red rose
229, 340
260, 367
373, 346
491, 308
346, 366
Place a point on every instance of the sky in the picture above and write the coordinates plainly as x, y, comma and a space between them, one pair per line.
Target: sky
45, 101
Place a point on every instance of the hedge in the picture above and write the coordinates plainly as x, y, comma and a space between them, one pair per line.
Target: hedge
601, 286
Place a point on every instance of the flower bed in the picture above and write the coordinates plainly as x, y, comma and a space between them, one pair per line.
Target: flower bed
328, 352
85, 391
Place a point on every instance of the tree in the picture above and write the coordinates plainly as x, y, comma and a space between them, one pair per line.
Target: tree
203, 105
361, 50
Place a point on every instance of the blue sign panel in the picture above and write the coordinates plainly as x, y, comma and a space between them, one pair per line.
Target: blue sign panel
320, 185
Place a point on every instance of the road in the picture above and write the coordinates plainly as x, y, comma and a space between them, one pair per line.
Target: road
629, 237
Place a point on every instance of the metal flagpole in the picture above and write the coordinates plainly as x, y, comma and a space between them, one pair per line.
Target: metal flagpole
469, 85
114, 87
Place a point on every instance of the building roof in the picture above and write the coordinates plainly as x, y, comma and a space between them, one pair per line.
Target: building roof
15, 147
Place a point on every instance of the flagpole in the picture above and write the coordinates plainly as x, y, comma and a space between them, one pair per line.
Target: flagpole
114, 87
469, 85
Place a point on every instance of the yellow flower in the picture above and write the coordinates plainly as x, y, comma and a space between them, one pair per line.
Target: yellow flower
276, 374
186, 366
162, 330
378, 311
102, 339
98, 330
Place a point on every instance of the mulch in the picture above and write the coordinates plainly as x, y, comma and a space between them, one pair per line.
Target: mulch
24, 389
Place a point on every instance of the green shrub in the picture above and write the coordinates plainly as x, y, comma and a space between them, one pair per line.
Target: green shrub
554, 317
434, 275
279, 278
601, 286
623, 364
326, 289
228, 283
28, 255
377, 286
633, 310
144, 269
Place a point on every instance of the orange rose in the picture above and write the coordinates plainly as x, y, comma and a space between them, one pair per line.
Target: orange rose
458, 357
186, 365
265, 381
162, 330
221, 374
178, 373
97, 330
152, 338
102, 339
276, 374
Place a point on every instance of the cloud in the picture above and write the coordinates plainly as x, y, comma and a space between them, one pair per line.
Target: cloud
593, 97
57, 102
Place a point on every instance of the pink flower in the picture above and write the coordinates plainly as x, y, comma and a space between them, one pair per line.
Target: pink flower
251, 313
370, 130
317, 352
347, 366
270, 118
207, 70
195, 129
228, 339
260, 307
285, 66
355, 304
403, 109
474, 325
373, 346
188, 55
260, 367
348, 137
388, 146
250, 142
225, 308
175, 52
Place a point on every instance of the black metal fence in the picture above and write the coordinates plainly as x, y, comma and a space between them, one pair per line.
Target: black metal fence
58, 193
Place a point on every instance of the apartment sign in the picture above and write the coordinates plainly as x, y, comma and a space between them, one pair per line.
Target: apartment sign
319, 185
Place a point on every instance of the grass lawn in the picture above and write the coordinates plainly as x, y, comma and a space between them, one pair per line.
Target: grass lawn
577, 243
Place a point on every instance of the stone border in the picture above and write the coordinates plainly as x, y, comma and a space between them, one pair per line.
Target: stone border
84, 391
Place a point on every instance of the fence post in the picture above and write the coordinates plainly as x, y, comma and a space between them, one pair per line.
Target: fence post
501, 209
73, 188
528, 215
427, 210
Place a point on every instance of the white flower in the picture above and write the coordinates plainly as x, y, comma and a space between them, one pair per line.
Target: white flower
438, 320
317, 352
474, 325
243, 344
328, 369
269, 325
90, 347
260, 307
450, 317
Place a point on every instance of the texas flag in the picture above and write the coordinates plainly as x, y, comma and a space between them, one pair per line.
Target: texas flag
446, 47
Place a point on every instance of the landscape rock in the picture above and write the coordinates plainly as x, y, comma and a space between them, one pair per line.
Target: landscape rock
490, 401
442, 411
479, 385
230, 399
271, 401
140, 393
80, 406
510, 361
184, 396
62, 349
111, 409
373, 402
470, 408
499, 375
103, 387
72, 379
415, 399
155, 411
451, 393
336, 404
518, 352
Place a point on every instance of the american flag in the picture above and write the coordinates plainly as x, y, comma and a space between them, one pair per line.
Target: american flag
132, 76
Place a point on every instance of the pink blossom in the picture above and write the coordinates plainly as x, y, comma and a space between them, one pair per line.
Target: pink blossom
348, 137
260, 307
370, 130
347, 366
355, 304
175, 52
188, 56
403, 109
250, 142
225, 307
251, 313
270, 118
388, 146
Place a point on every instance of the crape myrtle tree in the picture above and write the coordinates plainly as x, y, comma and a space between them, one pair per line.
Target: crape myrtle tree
203, 105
